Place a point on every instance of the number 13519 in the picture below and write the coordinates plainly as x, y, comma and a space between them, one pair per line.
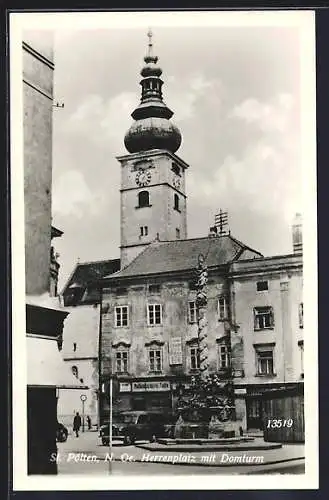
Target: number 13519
273, 423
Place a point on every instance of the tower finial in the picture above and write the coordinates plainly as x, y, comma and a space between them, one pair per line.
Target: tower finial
150, 44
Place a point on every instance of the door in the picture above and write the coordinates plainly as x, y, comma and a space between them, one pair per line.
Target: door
254, 413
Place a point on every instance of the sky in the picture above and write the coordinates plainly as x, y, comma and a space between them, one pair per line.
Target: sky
235, 93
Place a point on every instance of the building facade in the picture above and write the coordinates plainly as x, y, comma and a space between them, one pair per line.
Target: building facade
267, 306
149, 321
46, 372
81, 298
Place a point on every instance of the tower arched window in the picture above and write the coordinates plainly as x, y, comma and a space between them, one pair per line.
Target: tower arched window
176, 202
143, 199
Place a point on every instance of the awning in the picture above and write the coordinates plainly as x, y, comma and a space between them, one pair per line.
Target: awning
45, 366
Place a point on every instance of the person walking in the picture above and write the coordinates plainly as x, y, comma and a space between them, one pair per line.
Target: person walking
89, 422
76, 424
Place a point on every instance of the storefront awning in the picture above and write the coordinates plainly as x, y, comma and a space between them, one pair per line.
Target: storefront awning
45, 366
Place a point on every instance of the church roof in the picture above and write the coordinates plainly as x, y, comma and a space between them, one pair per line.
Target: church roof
182, 255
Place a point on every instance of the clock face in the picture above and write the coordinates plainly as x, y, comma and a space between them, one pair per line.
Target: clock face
176, 182
143, 177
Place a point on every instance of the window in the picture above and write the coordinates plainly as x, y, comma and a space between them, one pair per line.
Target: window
74, 346
121, 361
121, 291
223, 356
155, 360
154, 288
222, 307
301, 315
75, 371
175, 168
194, 358
301, 348
143, 199
263, 318
192, 312
121, 316
154, 314
177, 234
144, 230
262, 286
264, 357
176, 202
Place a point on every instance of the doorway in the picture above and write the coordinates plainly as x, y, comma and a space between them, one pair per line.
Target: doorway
254, 413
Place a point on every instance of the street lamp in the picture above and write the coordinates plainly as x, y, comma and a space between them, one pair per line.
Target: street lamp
83, 398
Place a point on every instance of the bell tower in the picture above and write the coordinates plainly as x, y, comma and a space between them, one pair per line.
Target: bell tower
153, 199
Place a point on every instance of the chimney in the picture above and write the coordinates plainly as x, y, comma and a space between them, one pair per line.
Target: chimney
213, 232
297, 234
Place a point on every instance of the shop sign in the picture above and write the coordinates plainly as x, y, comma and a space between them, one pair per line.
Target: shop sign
175, 351
154, 386
125, 387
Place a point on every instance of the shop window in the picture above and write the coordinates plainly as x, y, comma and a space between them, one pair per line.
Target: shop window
263, 318
222, 307
122, 361
192, 311
264, 361
155, 360
143, 199
121, 316
262, 286
154, 314
223, 356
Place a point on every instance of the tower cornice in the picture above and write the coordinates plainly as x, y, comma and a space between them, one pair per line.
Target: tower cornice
153, 153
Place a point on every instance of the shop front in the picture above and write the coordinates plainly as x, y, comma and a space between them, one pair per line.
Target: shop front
140, 395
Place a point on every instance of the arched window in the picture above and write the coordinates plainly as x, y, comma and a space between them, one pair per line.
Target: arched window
143, 199
176, 202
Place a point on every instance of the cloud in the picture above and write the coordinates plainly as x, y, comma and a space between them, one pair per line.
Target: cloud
73, 197
264, 175
268, 116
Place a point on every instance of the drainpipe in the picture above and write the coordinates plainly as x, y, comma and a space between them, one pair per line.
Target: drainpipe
100, 359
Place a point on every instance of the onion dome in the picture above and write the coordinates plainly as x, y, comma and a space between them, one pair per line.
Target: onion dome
152, 128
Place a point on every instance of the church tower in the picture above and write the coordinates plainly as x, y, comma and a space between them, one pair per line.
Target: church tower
153, 199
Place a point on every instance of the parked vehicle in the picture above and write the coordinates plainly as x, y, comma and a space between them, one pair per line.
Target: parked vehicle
134, 425
61, 433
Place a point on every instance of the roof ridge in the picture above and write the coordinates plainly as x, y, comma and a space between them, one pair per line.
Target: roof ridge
96, 261
193, 239
243, 245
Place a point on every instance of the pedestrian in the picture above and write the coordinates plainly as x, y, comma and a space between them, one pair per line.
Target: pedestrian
89, 422
76, 424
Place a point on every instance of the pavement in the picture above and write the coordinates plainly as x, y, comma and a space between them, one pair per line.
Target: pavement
86, 454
